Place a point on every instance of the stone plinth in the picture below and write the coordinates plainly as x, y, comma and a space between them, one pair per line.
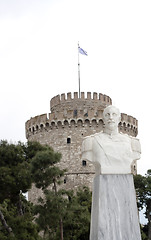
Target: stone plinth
114, 212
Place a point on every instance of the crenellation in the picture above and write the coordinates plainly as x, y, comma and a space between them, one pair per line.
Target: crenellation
109, 100
88, 95
82, 95
101, 97
57, 99
63, 97
51, 116
75, 95
52, 101
104, 98
95, 96
130, 119
123, 117
69, 96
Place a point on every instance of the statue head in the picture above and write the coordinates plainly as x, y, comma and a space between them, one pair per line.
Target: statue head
111, 118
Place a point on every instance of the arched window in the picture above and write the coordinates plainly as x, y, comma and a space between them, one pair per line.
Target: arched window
41, 126
75, 113
87, 122
84, 163
94, 123
79, 122
68, 140
47, 125
66, 123
59, 123
53, 124
72, 123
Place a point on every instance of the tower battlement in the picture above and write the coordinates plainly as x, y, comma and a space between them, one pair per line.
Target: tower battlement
68, 111
66, 100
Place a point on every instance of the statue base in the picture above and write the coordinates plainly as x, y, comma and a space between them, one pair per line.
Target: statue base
114, 211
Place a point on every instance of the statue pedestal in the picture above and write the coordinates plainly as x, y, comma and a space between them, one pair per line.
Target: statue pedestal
114, 213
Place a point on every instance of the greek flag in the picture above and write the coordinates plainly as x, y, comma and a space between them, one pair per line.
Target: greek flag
82, 51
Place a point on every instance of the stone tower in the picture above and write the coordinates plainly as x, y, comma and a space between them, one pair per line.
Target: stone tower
70, 120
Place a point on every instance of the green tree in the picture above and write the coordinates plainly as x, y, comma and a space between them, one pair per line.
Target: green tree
60, 213
16, 216
51, 211
143, 192
22, 226
78, 214
44, 170
14, 170
46, 174
67, 210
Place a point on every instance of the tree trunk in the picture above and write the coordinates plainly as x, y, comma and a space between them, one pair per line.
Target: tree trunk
61, 222
55, 185
149, 219
61, 229
149, 230
20, 206
4, 223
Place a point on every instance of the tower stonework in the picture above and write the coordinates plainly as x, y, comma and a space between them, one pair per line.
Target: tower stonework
71, 119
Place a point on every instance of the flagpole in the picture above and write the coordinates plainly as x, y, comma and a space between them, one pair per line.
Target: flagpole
79, 70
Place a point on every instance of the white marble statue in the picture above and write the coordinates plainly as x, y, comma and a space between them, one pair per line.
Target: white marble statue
114, 213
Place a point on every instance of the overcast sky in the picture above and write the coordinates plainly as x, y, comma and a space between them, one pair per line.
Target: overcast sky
39, 59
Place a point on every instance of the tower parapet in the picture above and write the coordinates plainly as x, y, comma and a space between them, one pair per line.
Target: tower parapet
67, 111
64, 106
89, 100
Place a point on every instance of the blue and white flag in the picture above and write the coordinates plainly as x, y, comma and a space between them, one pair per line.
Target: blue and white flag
82, 51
